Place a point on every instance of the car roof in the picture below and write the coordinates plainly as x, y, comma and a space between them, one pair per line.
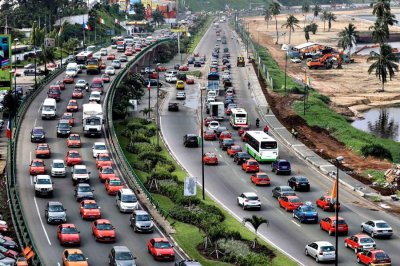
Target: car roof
121, 249
55, 203
378, 221
99, 143
37, 127
83, 185
323, 243
43, 177
74, 251
249, 194
285, 187
58, 161
80, 166
140, 212
160, 239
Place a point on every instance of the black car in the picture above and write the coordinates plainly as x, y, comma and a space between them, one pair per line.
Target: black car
197, 64
283, 191
31, 72
153, 83
225, 61
38, 135
176, 67
240, 157
226, 143
191, 140
63, 128
219, 130
281, 166
173, 107
299, 183
181, 76
190, 60
227, 83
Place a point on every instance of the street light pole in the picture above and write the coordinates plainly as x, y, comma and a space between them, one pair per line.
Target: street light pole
285, 71
338, 160
34, 47
158, 113
202, 141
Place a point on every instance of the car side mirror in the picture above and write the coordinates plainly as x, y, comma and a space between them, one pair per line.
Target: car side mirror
134, 258
92, 190
89, 173
65, 210
34, 182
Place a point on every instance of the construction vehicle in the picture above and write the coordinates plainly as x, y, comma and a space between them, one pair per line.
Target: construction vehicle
323, 62
240, 61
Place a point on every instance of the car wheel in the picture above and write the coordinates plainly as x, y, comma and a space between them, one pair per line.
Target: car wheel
355, 250
244, 207
316, 259
330, 232
372, 234
362, 229
306, 252
294, 216
358, 260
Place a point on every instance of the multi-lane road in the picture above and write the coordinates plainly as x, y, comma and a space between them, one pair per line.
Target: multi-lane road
226, 181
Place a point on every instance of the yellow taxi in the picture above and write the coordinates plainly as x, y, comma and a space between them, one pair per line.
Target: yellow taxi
180, 85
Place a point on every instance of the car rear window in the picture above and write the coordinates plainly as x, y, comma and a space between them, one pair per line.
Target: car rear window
381, 256
327, 248
382, 225
284, 164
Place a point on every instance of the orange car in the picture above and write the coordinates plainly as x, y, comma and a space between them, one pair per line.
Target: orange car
113, 185
260, 178
77, 93
74, 141
106, 172
103, 159
68, 234
72, 106
37, 167
233, 149
210, 158
251, 166
225, 135
43, 150
89, 209
289, 203
73, 157
103, 230
74, 257
70, 117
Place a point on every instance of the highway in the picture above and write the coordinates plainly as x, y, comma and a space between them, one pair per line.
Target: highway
227, 181
44, 234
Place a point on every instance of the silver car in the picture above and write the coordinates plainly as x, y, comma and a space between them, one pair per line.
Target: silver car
321, 251
377, 228
141, 221
55, 212
121, 256
83, 191
116, 64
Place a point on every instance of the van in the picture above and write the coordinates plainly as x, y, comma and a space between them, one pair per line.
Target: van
49, 108
103, 51
72, 69
211, 94
91, 48
126, 200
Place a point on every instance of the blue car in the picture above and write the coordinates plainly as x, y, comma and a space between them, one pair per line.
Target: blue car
306, 213
281, 167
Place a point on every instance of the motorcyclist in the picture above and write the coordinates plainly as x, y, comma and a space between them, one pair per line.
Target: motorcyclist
266, 129
257, 122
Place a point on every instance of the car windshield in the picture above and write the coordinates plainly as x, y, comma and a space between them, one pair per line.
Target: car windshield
252, 198
48, 108
252, 163
38, 132
80, 171
124, 255
73, 155
43, 181
100, 147
104, 158
67, 115
381, 256
43, 148
262, 176
268, 145
143, 217
76, 257
382, 225
56, 208
81, 82
302, 179
162, 244
366, 240
58, 165
115, 182
107, 171
236, 148
128, 198
93, 121
327, 248
63, 125
287, 164
286, 189
341, 222
96, 85
84, 189
90, 206
309, 209
74, 137
295, 200
228, 141
104, 227
37, 163
73, 103
69, 230
211, 155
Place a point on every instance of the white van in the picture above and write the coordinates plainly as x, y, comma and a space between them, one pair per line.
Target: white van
49, 108
211, 94
126, 200
72, 69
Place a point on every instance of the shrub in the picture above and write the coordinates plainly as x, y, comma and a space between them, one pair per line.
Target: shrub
137, 137
324, 98
376, 150
162, 174
183, 215
151, 156
142, 147
212, 210
237, 247
168, 165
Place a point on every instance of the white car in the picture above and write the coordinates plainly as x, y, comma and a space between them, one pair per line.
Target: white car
80, 174
110, 70
226, 76
82, 84
116, 64
180, 95
95, 96
249, 200
170, 78
43, 185
295, 60
123, 58
213, 125
377, 228
321, 251
97, 55
99, 148
58, 168
103, 51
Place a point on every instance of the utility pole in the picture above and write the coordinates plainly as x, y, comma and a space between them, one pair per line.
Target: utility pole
34, 47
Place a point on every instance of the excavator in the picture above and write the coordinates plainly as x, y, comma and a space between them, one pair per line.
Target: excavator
328, 61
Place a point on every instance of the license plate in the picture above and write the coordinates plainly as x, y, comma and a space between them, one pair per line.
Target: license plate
385, 231
107, 238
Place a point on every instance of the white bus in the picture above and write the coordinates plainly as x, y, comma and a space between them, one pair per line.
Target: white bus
261, 146
238, 117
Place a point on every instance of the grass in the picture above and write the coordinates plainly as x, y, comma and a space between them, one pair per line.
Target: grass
375, 175
189, 236
214, 5
199, 35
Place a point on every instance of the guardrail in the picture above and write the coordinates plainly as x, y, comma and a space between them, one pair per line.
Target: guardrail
22, 231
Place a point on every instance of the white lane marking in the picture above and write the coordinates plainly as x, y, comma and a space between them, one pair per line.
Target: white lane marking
30, 157
31, 180
41, 222
58, 264
295, 223
220, 155
35, 122
40, 108
280, 211
215, 149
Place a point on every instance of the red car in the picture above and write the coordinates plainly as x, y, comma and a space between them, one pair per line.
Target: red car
60, 83
37, 167
103, 159
260, 178
74, 141
70, 117
210, 135
72, 106
162, 68
374, 257
189, 81
327, 203
289, 203
54, 92
77, 93
233, 149
111, 57
183, 68
68, 79
68, 234
161, 249
3, 228
244, 138
73, 157
103, 230
106, 172
225, 135
153, 75
210, 158
128, 53
243, 129
113, 185
103, 65
328, 224
228, 111
89, 209
106, 78
251, 166
359, 242
208, 119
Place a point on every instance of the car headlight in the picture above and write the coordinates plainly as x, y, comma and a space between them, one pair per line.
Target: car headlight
137, 225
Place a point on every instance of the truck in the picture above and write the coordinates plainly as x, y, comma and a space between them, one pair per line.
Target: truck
217, 110
93, 65
213, 85
92, 119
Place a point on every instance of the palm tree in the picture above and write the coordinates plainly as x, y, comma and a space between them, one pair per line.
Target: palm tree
379, 33
305, 8
275, 10
316, 9
331, 17
384, 64
307, 33
347, 38
267, 16
324, 17
381, 8
47, 55
256, 222
158, 17
291, 23
146, 111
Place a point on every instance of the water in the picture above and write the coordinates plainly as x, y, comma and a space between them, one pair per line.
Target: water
381, 122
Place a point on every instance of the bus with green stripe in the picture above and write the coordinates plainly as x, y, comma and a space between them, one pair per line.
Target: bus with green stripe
261, 146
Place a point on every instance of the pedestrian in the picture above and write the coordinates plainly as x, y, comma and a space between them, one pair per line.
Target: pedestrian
267, 109
248, 85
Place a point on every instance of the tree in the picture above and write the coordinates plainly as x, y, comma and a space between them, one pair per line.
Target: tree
267, 16
347, 38
316, 9
158, 17
46, 55
291, 23
140, 11
331, 17
275, 10
384, 64
306, 9
381, 8
307, 33
256, 222
324, 17
384, 19
313, 27
146, 111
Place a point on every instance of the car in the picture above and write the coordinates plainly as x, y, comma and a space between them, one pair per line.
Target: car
8, 253
226, 143
281, 167
321, 251
98, 148
327, 203
54, 92
208, 119
170, 78
123, 58
72, 106
9, 243
249, 200
110, 70
161, 249
60, 83
225, 135
55, 213
377, 228
128, 52
260, 178
103, 159
111, 57
197, 64
73, 158
81, 84
374, 257
180, 95
38, 134
83, 191
126, 200
243, 129
97, 85
68, 79
190, 81
103, 230
43, 185
106, 78
116, 64
213, 125
70, 117
154, 75
289, 203
74, 257
173, 106
191, 140
43, 151
68, 234
162, 68
210, 158
63, 128
113, 185
3, 227
80, 174
359, 242
89, 209
176, 66
219, 130
295, 60
95, 96
153, 83
58, 168
299, 183
306, 213
232, 150
329, 224
141, 222
281, 191
180, 85
210, 135
250, 165
74, 141
77, 93
121, 255
106, 172
240, 157
37, 167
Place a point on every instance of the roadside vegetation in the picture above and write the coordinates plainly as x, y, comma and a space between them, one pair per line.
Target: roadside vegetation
219, 5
